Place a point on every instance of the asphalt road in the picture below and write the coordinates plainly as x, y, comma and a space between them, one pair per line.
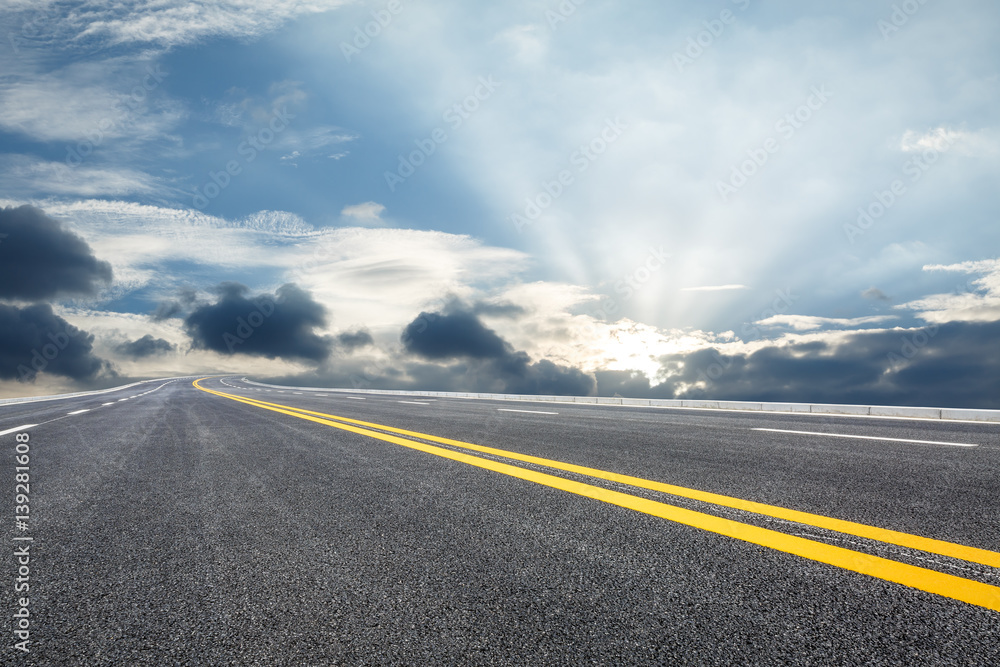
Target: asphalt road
184, 527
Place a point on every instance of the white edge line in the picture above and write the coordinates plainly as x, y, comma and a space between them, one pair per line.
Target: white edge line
869, 437
19, 428
534, 412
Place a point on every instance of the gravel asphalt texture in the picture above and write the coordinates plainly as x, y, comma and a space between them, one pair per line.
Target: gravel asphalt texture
184, 528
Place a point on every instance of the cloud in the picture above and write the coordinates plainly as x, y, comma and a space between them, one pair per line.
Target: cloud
943, 139
171, 23
949, 365
32, 176
39, 259
147, 346
812, 323
353, 340
272, 326
367, 213
486, 362
448, 336
713, 288
380, 275
875, 294
92, 104
35, 340
975, 300
498, 309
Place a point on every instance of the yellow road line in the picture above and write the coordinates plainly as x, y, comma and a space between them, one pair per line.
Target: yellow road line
897, 538
931, 581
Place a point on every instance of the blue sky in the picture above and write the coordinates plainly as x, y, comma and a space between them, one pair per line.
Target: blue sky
636, 193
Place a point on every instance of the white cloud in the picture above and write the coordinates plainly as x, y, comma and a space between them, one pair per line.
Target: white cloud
367, 213
31, 176
975, 300
811, 323
942, 139
174, 22
713, 288
93, 103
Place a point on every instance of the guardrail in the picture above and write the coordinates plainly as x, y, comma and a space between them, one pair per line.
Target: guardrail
57, 397
959, 414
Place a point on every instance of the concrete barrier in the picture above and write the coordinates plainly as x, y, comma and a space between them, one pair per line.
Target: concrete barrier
901, 412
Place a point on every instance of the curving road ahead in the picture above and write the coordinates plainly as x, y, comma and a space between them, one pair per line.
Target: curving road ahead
223, 522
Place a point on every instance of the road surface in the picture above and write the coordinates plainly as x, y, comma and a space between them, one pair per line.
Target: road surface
230, 523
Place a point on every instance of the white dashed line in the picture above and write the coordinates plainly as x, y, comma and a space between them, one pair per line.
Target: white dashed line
534, 412
355, 398
78, 412
111, 403
869, 437
413, 402
19, 428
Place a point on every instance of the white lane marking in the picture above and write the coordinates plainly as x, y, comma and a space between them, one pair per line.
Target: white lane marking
19, 428
534, 412
413, 402
78, 412
297, 392
122, 399
111, 403
869, 437
353, 398
323, 395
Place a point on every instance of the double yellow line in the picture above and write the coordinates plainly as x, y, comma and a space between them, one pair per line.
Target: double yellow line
931, 581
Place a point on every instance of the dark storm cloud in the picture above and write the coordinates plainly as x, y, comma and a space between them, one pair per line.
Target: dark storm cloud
354, 340
485, 361
39, 259
500, 309
147, 346
166, 310
456, 334
266, 325
875, 294
949, 365
35, 340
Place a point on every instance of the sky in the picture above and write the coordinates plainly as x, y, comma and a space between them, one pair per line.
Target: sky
740, 199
